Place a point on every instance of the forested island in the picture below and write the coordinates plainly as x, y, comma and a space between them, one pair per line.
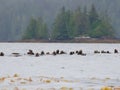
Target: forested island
59, 20
69, 25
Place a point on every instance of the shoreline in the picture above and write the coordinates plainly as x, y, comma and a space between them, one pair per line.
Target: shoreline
66, 41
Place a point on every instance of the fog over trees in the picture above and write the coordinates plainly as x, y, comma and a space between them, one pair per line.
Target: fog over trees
15, 15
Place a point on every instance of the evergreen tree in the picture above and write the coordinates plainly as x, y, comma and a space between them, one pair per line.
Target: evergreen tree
31, 30
85, 21
69, 25
42, 30
36, 29
102, 30
60, 28
94, 20
77, 20
69, 22
93, 15
80, 22
99, 27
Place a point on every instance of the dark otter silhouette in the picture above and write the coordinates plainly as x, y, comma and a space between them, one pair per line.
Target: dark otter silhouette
71, 53
62, 52
37, 55
16, 54
107, 52
96, 51
103, 51
77, 52
47, 53
81, 53
54, 53
115, 51
42, 53
30, 52
57, 51
1, 54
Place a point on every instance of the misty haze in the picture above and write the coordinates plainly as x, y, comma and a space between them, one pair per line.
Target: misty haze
59, 44
15, 15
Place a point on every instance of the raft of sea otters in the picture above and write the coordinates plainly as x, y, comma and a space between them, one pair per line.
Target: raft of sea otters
59, 52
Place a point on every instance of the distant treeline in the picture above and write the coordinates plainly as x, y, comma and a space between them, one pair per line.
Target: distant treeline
15, 15
70, 24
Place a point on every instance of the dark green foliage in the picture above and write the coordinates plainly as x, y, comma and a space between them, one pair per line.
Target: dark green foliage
77, 20
42, 30
102, 30
31, 30
69, 25
81, 23
15, 14
60, 27
93, 15
36, 29
99, 27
